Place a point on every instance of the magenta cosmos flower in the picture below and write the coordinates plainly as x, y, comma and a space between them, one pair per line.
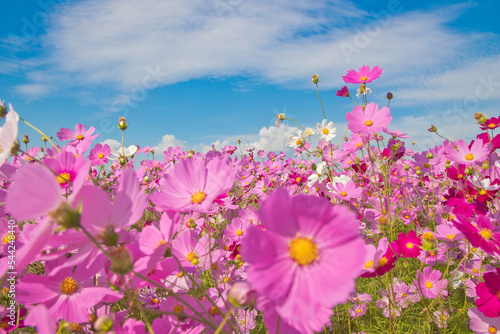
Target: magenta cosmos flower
482, 234
99, 154
475, 152
369, 119
78, 136
488, 293
409, 244
306, 260
430, 283
193, 186
363, 76
343, 92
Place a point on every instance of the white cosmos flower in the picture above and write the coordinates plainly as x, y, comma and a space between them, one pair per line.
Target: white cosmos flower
326, 131
126, 152
296, 140
319, 175
8, 134
341, 179
485, 183
309, 131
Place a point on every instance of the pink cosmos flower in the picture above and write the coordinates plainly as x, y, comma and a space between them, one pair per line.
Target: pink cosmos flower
237, 229
66, 166
408, 244
488, 293
363, 76
368, 120
99, 154
430, 283
344, 191
307, 244
483, 233
193, 186
80, 134
477, 152
482, 324
65, 295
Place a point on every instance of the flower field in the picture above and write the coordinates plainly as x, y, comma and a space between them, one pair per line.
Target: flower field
357, 233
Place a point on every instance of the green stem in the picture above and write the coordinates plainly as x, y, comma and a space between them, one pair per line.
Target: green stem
224, 321
322, 109
40, 132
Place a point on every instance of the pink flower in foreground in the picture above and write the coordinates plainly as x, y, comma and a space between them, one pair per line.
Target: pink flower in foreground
368, 120
307, 244
192, 186
483, 234
481, 324
430, 283
488, 293
465, 155
363, 76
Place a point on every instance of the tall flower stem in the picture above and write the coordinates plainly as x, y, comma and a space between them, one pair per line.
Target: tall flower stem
322, 109
40, 132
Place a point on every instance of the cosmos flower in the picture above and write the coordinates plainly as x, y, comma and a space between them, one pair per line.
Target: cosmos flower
307, 244
369, 119
364, 75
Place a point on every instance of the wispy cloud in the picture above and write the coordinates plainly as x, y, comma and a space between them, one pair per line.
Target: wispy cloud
113, 43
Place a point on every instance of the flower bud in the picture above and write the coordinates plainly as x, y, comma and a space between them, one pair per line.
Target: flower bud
147, 179
121, 260
26, 139
241, 294
447, 164
44, 138
66, 216
315, 78
122, 124
384, 224
480, 118
486, 165
109, 237
190, 153
430, 155
469, 170
428, 241
389, 96
104, 324
122, 160
3, 110
432, 129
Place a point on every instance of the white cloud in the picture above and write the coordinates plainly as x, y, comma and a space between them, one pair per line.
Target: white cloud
32, 90
113, 144
169, 141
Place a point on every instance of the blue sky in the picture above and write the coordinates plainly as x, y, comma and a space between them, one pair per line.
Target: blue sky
193, 73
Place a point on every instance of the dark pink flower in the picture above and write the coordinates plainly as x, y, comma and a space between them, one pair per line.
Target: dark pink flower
409, 244
343, 92
488, 293
483, 234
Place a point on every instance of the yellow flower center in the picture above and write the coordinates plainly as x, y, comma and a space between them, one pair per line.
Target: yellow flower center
239, 233
382, 262
469, 157
491, 125
359, 144
198, 197
213, 310
178, 308
492, 329
482, 192
359, 310
325, 131
101, 155
404, 295
243, 322
79, 137
180, 274
297, 179
369, 122
475, 270
363, 79
155, 301
428, 285
343, 193
369, 264
191, 256
63, 178
5, 239
450, 236
426, 165
428, 236
409, 245
68, 286
485, 233
303, 250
